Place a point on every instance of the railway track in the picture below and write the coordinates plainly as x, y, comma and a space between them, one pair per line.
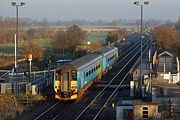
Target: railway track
91, 106
92, 112
54, 111
59, 112
3, 73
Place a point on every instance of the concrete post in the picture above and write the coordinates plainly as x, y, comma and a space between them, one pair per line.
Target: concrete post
178, 77
170, 78
132, 88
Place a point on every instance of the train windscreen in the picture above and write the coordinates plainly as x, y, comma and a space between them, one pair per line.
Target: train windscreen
74, 76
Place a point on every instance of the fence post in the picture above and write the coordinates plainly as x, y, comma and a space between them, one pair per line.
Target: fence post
34, 76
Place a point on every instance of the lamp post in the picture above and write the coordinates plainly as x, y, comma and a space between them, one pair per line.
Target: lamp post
141, 37
16, 38
63, 42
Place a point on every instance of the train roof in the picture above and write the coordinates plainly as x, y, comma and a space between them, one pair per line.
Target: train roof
89, 58
85, 60
107, 50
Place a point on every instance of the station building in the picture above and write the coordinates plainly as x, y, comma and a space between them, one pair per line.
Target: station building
137, 110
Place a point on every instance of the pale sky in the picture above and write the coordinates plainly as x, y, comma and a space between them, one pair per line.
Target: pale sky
92, 9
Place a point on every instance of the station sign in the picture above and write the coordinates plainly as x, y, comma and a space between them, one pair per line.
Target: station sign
29, 57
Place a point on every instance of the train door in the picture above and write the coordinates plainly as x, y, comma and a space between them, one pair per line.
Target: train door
65, 82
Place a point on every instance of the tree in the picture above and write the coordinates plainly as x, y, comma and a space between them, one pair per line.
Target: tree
116, 36
167, 38
31, 34
58, 40
121, 34
68, 39
177, 25
31, 48
75, 36
114, 23
111, 37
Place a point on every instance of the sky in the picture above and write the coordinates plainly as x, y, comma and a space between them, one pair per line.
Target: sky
92, 9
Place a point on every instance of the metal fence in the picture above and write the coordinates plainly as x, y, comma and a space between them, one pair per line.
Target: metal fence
170, 104
21, 83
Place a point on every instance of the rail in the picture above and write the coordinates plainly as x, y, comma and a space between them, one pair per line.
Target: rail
112, 94
65, 111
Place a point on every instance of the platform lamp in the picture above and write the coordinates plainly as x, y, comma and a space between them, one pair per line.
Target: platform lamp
141, 37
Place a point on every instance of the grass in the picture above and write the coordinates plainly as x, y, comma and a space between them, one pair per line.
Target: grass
13, 106
7, 48
95, 37
45, 43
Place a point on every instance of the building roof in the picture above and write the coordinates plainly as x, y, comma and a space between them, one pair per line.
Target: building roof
165, 53
146, 103
129, 102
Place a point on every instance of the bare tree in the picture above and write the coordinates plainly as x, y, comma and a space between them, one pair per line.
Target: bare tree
167, 38
75, 36
68, 39
114, 23
31, 48
58, 40
31, 34
116, 36
112, 37
177, 25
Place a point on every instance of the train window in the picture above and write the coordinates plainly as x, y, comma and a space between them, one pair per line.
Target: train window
86, 74
89, 72
92, 70
96, 67
99, 66
110, 58
58, 75
73, 73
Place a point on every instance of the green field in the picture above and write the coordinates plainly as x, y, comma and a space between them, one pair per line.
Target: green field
94, 37
44, 43
7, 48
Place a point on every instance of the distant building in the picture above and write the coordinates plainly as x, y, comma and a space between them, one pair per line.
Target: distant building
165, 62
168, 68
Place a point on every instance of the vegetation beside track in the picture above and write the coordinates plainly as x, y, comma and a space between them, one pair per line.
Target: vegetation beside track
12, 106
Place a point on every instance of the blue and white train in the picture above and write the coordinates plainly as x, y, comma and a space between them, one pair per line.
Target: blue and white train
72, 79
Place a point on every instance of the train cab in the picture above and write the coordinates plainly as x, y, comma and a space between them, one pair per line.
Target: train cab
65, 84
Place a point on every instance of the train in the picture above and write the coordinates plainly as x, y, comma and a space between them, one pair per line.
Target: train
73, 78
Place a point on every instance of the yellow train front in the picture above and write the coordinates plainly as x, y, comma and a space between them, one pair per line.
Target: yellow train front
65, 83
